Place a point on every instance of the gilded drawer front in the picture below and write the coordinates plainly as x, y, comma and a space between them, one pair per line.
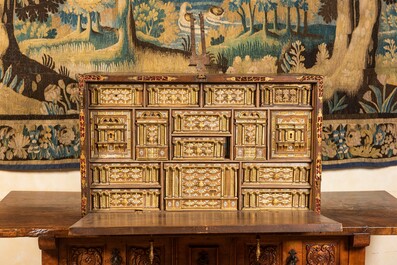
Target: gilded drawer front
111, 174
152, 135
116, 95
173, 94
291, 134
250, 135
201, 122
199, 147
110, 134
125, 199
230, 95
257, 199
286, 94
201, 186
256, 173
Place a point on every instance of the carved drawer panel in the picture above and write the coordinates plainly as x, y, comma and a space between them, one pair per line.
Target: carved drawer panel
110, 174
116, 94
199, 147
110, 134
229, 95
256, 173
286, 94
255, 199
173, 94
321, 252
291, 134
152, 141
201, 121
250, 135
201, 186
125, 199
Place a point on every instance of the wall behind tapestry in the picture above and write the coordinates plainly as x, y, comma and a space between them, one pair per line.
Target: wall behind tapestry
44, 44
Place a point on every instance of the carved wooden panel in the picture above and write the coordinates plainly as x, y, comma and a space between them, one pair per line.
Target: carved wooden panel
152, 129
201, 186
86, 255
229, 95
200, 148
286, 94
125, 199
108, 174
173, 94
291, 134
250, 135
277, 173
322, 253
116, 95
141, 256
202, 122
110, 134
204, 255
275, 198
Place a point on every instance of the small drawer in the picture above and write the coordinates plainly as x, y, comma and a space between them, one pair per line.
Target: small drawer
250, 135
257, 173
201, 186
116, 94
125, 199
286, 94
203, 148
125, 174
291, 134
110, 134
173, 94
229, 95
263, 199
201, 122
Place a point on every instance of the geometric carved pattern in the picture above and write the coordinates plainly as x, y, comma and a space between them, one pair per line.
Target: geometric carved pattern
291, 134
125, 174
255, 173
201, 186
255, 199
126, 199
229, 95
86, 256
201, 121
116, 95
173, 95
141, 256
268, 255
321, 254
199, 147
286, 94
250, 135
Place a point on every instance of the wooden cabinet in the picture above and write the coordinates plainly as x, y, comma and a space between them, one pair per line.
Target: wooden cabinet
185, 143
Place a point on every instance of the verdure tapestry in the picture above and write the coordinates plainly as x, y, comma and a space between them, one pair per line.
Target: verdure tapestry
45, 43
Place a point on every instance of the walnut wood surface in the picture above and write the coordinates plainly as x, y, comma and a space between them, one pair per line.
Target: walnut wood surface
373, 212
29, 213
217, 222
26, 213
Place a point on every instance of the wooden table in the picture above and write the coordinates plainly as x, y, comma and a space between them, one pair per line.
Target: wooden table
343, 229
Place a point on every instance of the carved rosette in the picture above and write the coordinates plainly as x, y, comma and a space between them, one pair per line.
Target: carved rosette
321, 254
86, 255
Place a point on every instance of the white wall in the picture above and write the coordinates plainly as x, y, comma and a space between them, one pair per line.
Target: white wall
17, 251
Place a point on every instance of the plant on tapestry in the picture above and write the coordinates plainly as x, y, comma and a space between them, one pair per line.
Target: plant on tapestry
351, 141
45, 142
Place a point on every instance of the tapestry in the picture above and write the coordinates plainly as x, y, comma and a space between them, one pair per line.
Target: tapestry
45, 44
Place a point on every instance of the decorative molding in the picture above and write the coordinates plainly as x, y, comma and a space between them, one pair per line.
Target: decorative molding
159, 78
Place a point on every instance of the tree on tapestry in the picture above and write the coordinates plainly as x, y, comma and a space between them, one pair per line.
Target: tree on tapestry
352, 64
27, 77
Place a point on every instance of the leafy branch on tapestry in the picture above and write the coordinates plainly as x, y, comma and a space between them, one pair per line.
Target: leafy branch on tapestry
14, 84
381, 103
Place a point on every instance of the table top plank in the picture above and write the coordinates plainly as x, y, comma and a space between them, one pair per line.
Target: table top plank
38, 213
